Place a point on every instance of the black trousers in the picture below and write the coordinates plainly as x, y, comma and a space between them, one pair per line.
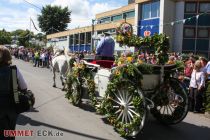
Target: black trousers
196, 99
8, 120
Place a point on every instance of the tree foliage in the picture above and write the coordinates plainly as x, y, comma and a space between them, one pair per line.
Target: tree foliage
5, 37
22, 37
54, 19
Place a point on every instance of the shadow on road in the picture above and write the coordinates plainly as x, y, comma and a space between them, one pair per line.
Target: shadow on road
182, 131
23, 120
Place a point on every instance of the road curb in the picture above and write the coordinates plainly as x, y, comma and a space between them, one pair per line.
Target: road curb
207, 115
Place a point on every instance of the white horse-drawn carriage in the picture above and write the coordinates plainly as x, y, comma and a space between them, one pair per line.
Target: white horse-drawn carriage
125, 94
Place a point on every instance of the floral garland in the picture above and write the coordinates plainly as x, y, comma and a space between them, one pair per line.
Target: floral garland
82, 75
124, 32
130, 76
157, 42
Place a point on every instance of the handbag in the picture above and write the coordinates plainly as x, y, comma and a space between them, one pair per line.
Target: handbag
24, 100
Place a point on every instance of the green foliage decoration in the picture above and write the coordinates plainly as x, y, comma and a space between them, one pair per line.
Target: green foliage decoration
82, 75
130, 76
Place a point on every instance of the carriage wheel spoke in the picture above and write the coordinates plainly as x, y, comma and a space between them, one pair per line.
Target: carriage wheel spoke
170, 108
131, 107
129, 100
126, 117
116, 106
134, 112
115, 101
119, 99
130, 114
120, 115
167, 109
118, 111
163, 109
123, 117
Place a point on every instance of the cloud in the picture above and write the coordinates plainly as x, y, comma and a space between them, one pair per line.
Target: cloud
15, 14
83, 11
12, 19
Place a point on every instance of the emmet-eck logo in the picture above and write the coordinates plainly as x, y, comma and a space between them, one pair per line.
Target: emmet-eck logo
31, 133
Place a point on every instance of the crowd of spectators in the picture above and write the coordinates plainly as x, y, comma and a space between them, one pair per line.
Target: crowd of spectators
39, 57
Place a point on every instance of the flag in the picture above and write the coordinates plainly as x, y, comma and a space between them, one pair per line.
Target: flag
34, 24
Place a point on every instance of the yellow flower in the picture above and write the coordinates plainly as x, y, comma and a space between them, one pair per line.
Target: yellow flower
117, 72
129, 59
171, 62
140, 61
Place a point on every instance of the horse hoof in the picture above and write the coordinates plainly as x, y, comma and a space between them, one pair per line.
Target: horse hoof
54, 86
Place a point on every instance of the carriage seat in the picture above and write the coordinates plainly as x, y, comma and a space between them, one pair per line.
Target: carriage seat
104, 63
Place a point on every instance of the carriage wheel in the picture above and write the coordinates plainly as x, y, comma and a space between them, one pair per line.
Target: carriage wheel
171, 102
76, 93
128, 110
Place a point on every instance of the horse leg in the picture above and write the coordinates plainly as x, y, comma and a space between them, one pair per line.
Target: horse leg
54, 76
62, 81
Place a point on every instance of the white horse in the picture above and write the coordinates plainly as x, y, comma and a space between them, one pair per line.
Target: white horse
60, 63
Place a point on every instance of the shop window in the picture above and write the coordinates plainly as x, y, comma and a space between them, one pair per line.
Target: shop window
204, 7
190, 7
203, 33
189, 32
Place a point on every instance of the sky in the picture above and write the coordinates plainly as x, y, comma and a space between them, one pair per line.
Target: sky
15, 14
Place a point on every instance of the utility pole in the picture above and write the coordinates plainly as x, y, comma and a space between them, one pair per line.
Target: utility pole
93, 30
29, 34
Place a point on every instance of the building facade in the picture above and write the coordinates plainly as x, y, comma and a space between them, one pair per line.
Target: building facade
186, 22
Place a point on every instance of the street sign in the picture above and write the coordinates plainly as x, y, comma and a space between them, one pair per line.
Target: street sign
147, 33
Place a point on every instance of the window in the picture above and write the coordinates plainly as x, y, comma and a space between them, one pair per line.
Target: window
117, 17
104, 20
88, 37
146, 11
203, 33
155, 7
82, 38
76, 37
204, 7
190, 7
151, 10
129, 14
71, 40
189, 32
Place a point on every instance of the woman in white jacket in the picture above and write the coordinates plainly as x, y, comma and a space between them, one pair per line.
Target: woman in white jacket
197, 84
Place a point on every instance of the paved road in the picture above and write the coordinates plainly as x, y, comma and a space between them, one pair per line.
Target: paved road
53, 113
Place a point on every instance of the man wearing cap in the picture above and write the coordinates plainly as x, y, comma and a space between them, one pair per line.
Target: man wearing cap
105, 48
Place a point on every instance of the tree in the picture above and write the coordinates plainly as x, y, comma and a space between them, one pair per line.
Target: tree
22, 36
54, 19
5, 37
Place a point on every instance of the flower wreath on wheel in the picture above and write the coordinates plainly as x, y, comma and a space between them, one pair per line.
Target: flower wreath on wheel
129, 77
81, 75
